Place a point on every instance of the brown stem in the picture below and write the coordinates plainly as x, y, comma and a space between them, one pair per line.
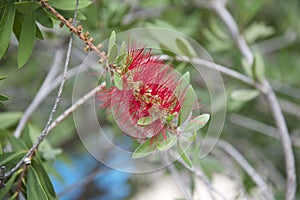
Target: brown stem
76, 30
19, 184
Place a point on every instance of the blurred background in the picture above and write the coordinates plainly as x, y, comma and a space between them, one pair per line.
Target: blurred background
270, 27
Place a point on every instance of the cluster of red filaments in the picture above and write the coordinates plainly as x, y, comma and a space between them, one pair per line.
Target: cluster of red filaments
151, 91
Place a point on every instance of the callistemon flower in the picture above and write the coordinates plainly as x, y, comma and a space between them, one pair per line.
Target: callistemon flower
152, 94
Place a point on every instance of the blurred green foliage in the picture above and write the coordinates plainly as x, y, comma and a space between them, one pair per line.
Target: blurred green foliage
29, 36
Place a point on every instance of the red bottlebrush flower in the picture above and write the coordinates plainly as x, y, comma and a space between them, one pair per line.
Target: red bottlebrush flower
152, 92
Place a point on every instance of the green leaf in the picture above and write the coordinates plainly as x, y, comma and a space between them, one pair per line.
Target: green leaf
6, 26
8, 185
258, 69
18, 26
183, 155
189, 99
197, 123
47, 151
247, 68
68, 5
187, 77
118, 81
25, 136
27, 39
112, 40
43, 18
38, 33
258, 30
143, 150
189, 136
10, 159
187, 105
70, 14
8, 119
35, 189
170, 118
168, 143
218, 29
143, 121
123, 49
3, 98
244, 95
16, 143
183, 47
26, 7
215, 43
112, 54
2, 77
43, 176
211, 166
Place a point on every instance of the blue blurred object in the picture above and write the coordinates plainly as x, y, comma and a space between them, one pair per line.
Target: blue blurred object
112, 184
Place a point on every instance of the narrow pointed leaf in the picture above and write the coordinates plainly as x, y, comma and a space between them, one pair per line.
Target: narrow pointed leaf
35, 189
43, 18
168, 143
189, 136
170, 118
123, 49
3, 98
26, 7
244, 94
68, 5
112, 41
143, 150
118, 81
8, 119
2, 77
8, 185
183, 47
43, 176
10, 159
187, 77
27, 39
6, 26
258, 69
112, 54
197, 123
187, 104
183, 155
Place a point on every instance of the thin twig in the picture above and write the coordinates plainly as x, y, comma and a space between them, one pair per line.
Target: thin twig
267, 168
239, 158
277, 43
79, 184
220, 9
178, 179
76, 105
45, 131
77, 31
60, 118
258, 126
222, 69
200, 175
290, 107
41, 93
254, 125
285, 140
285, 89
